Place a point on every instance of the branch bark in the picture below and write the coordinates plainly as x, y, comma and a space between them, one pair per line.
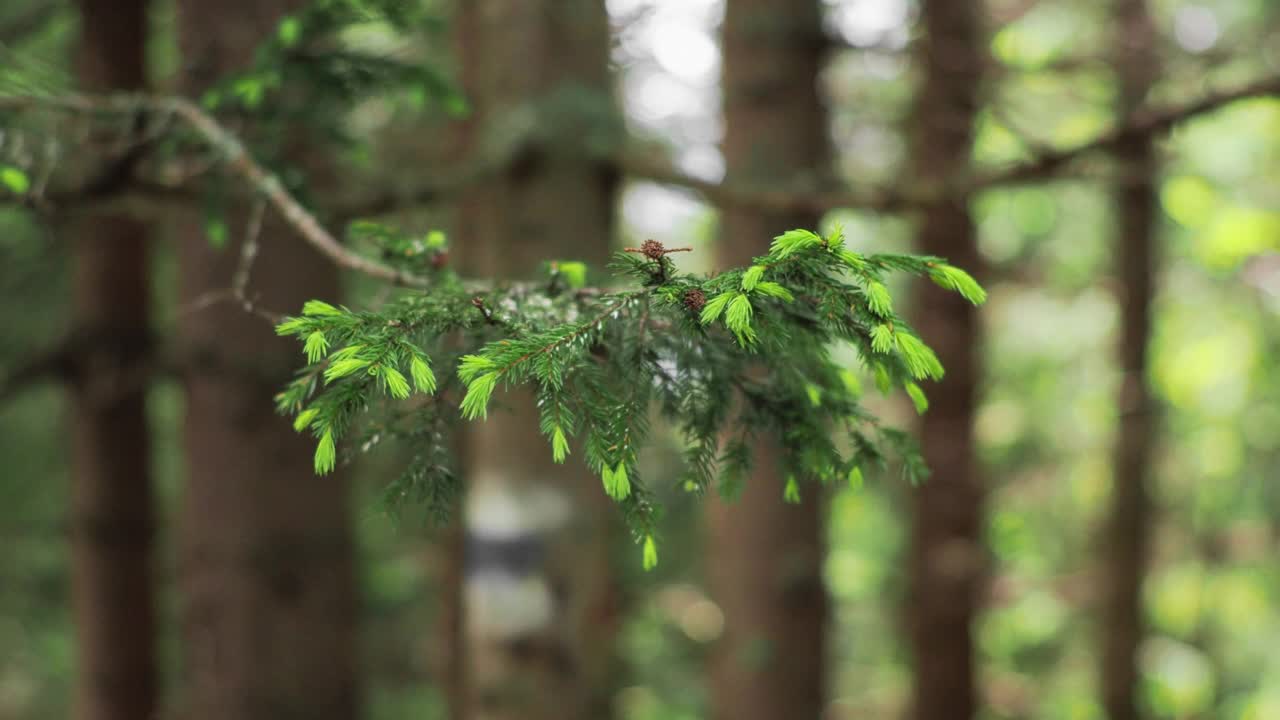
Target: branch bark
923, 193
1147, 123
238, 161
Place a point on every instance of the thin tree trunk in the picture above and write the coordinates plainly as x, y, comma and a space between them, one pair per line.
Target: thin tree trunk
112, 504
1127, 533
947, 559
267, 558
541, 602
765, 556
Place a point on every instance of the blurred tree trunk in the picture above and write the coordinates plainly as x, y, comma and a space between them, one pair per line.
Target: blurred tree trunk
267, 558
947, 559
1128, 529
765, 556
541, 603
112, 504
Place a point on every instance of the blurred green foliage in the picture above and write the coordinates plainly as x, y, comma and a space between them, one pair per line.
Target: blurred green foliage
1045, 425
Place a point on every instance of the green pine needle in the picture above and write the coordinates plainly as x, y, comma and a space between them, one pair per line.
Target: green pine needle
423, 378
559, 445
616, 484
471, 366
920, 358
394, 382
343, 367
953, 278
650, 553
714, 308
304, 419
315, 347
752, 276
917, 397
791, 493
475, 404
835, 238
793, 241
815, 394
326, 454
14, 179
855, 478
349, 351
851, 383
878, 299
884, 383
738, 318
573, 272
319, 308
882, 340
292, 326
773, 289
852, 259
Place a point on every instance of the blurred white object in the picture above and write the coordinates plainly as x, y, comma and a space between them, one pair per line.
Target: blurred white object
507, 594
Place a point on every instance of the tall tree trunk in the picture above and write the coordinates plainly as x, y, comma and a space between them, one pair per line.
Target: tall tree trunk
1128, 529
112, 541
541, 604
947, 560
267, 557
765, 556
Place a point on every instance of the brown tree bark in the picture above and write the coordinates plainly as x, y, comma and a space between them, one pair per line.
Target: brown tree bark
947, 559
1127, 534
267, 558
541, 602
112, 503
765, 556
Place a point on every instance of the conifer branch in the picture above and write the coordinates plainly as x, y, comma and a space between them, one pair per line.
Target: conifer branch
236, 158
764, 333
1154, 121
811, 199
1151, 122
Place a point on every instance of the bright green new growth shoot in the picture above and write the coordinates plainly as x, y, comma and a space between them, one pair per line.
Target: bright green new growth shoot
729, 360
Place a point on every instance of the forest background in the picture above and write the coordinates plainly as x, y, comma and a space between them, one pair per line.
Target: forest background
1099, 534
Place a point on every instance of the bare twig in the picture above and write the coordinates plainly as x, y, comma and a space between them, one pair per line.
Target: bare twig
238, 160
1144, 123
239, 290
234, 155
248, 253
54, 364
1040, 167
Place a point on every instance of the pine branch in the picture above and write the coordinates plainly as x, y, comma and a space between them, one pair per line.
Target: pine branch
236, 158
1154, 121
240, 162
578, 332
1151, 122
